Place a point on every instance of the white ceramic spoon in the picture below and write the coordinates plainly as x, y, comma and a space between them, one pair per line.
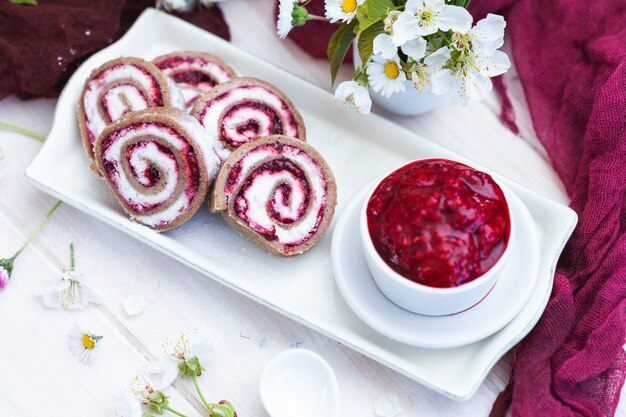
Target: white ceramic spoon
299, 383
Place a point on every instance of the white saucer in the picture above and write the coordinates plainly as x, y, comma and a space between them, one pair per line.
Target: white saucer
512, 291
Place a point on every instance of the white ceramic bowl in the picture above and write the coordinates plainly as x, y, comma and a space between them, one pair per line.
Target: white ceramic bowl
422, 299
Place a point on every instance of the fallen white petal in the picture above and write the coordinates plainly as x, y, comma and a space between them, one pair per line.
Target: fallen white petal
134, 305
387, 405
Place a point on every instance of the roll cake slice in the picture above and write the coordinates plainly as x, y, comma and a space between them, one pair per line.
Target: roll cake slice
194, 72
158, 164
118, 87
234, 112
278, 192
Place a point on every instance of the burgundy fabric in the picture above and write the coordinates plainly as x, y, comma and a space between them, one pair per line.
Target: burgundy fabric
40, 46
571, 59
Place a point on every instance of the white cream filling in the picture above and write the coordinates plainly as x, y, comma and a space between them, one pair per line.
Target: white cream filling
239, 118
93, 94
212, 118
258, 194
150, 153
117, 107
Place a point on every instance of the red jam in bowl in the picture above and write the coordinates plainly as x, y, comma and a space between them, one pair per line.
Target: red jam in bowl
439, 223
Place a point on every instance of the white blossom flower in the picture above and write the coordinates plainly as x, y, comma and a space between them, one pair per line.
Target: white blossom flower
471, 77
126, 405
415, 48
390, 20
141, 393
70, 292
385, 75
383, 45
341, 10
83, 343
283, 24
166, 370
425, 17
354, 96
423, 73
488, 34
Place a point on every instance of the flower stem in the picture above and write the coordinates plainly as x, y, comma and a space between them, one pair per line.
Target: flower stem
316, 17
171, 410
72, 261
194, 377
39, 226
23, 131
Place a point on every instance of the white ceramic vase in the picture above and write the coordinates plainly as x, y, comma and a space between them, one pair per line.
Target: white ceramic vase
408, 103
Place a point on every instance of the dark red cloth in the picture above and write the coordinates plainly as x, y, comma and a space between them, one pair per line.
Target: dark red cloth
571, 59
40, 46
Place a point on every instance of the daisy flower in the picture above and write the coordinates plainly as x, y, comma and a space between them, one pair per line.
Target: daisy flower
181, 357
291, 14
425, 17
83, 343
385, 75
354, 96
342, 10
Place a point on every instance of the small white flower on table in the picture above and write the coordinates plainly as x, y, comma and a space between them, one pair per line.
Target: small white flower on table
342, 10
70, 292
83, 343
182, 356
354, 96
386, 75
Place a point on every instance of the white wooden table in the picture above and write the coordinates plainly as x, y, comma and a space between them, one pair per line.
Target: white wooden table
39, 376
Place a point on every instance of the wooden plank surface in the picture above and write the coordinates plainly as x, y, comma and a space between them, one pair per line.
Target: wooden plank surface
38, 375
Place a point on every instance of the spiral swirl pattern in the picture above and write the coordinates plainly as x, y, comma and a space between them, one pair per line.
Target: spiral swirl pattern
119, 87
278, 192
156, 163
234, 112
194, 73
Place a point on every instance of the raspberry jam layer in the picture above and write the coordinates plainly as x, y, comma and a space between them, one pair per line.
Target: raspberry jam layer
280, 192
439, 223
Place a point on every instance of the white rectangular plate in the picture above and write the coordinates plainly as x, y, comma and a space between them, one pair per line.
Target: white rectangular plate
357, 149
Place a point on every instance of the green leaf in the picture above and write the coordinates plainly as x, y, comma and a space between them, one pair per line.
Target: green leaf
371, 12
29, 2
366, 40
338, 47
